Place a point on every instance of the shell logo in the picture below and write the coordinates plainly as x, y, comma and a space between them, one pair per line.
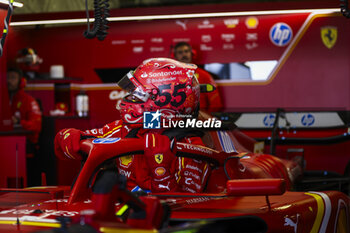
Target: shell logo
252, 22
125, 161
159, 171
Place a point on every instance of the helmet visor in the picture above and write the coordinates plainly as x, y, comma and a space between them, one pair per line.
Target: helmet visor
130, 84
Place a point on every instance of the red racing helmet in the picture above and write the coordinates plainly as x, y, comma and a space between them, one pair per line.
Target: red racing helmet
160, 84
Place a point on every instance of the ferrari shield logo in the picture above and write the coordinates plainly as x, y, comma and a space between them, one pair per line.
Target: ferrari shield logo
329, 36
158, 158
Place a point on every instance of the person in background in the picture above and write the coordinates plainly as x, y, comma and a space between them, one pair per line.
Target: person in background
29, 62
26, 114
170, 89
211, 101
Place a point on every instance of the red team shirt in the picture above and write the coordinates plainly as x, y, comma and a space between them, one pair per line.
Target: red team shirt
25, 108
210, 101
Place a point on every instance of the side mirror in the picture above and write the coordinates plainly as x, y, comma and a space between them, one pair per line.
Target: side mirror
255, 187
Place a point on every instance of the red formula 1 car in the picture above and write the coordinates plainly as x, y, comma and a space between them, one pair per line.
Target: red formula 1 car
246, 192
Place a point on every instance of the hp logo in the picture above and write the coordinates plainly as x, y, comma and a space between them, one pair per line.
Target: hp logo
281, 34
308, 119
269, 120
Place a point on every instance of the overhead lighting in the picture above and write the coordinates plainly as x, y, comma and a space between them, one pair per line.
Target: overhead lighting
178, 16
16, 4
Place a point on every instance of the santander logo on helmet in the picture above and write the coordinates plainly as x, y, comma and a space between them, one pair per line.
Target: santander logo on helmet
164, 84
144, 75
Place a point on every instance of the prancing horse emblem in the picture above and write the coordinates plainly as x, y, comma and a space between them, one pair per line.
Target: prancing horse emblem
329, 36
158, 158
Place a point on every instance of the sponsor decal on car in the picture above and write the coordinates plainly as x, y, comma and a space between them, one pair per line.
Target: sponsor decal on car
291, 223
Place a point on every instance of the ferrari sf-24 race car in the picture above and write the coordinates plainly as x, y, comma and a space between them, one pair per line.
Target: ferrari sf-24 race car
246, 192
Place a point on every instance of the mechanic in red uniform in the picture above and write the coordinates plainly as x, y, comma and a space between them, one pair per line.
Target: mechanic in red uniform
210, 101
160, 85
26, 114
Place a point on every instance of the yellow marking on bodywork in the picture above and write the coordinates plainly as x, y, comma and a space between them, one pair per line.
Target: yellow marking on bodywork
342, 226
123, 230
241, 155
40, 224
320, 212
39, 187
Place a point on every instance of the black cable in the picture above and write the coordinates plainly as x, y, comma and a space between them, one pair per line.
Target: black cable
6, 27
344, 8
87, 15
102, 32
101, 13
274, 133
90, 34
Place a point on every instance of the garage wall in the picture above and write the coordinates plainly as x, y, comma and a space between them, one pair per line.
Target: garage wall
309, 75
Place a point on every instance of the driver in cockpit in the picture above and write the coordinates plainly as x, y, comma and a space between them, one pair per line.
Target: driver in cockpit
168, 89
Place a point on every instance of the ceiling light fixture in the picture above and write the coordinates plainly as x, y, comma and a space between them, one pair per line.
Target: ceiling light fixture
179, 16
16, 4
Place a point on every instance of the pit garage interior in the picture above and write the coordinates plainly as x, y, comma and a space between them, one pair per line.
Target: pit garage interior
282, 69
